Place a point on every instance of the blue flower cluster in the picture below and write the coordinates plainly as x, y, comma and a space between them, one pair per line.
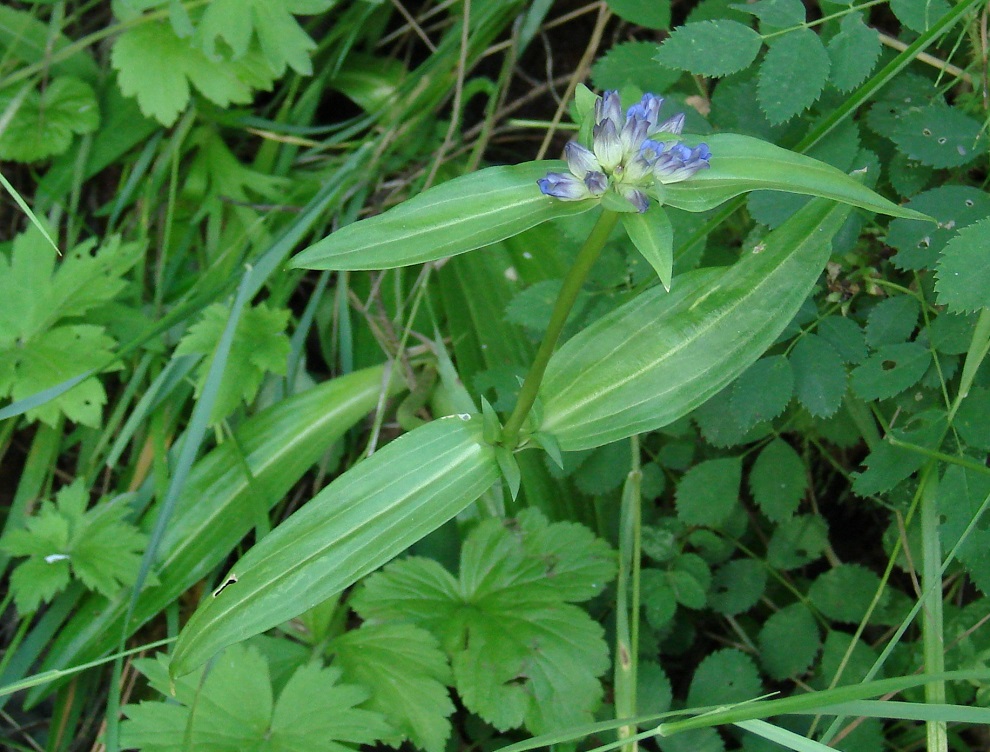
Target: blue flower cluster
625, 155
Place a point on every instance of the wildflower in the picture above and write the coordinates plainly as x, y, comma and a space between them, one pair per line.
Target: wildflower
624, 155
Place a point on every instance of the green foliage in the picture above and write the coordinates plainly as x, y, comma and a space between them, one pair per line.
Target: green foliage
260, 347
522, 653
233, 707
43, 124
708, 492
43, 341
778, 481
710, 48
964, 270
65, 541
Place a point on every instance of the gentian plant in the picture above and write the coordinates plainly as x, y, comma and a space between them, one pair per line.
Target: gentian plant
638, 368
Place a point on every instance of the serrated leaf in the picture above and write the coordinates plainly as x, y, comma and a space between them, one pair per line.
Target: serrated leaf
887, 465
793, 75
407, 673
779, 13
778, 480
961, 494
157, 67
845, 336
260, 347
891, 370
280, 37
460, 215
908, 177
233, 708
763, 390
364, 518
45, 123
952, 206
845, 592
938, 135
917, 15
963, 270
522, 655
632, 64
605, 470
971, 420
653, 14
853, 52
797, 541
724, 677
737, 586
892, 320
98, 547
819, 375
657, 596
709, 491
789, 642
710, 48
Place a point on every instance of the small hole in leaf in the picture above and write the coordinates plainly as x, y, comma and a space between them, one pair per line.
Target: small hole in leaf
925, 242
889, 365
926, 132
968, 202
941, 141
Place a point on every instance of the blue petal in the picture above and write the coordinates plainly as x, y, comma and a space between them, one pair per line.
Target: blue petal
563, 186
580, 160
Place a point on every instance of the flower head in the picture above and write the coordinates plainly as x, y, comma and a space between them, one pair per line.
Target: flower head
624, 156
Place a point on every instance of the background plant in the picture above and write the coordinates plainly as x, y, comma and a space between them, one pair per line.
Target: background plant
175, 389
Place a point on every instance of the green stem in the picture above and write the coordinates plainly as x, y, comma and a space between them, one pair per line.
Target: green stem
627, 601
586, 258
932, 619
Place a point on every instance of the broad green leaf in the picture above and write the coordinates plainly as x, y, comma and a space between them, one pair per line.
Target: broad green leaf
724, 677
887, 465
710, 48
919, 15
521, 653
853, 52
631, 63
233, 707
954, 207
797, 541
963, 271
819, 375
658, 599
778, 480
971, 420
741, 163
892, 320
653, 14
407, 673
961, 496
844, 593
789, 642
460, 215
662, 354
793, 74
782, 14
217, 508
939, 136
363, 519
763, 391
653, 236
737, 586
157, 67
708, 491
46, 122
845, 336
891, 370
282, 40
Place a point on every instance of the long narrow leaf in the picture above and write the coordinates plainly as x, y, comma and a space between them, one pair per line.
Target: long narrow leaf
364, 518
662, 354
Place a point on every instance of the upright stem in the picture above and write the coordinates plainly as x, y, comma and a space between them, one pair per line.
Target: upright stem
932, 625
565, 301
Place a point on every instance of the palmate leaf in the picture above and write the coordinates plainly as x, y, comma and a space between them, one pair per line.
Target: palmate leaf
522, 654
46, 122
407, 673
65, 541
234, 709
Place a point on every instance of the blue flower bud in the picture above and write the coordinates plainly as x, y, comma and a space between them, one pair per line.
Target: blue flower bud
681, 162
635, 197
608, 107
674, 124
648, 108
563, 186
607, 145
580, 160
596, 182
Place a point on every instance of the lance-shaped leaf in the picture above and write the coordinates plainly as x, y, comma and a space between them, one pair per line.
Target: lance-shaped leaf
465, 213
219, 504
662, 354
653, 236
365, 517
741, 163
